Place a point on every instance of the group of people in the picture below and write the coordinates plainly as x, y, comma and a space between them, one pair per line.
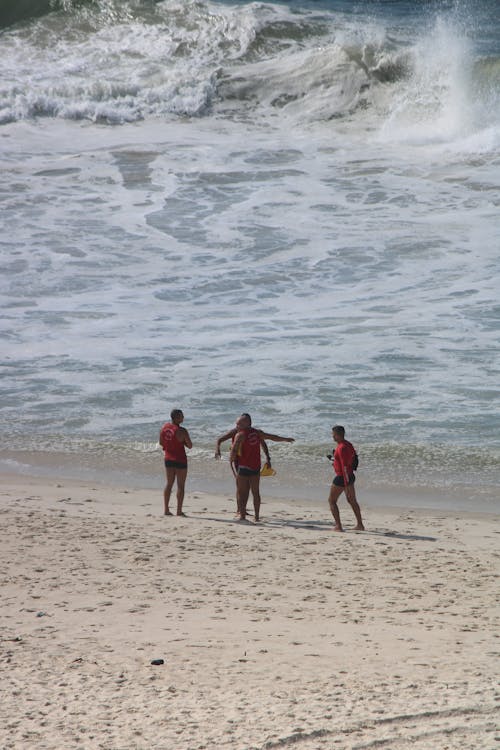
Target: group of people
245, 456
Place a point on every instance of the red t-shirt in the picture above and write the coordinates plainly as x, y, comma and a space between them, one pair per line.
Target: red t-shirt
343, 459
249, 452
174, 450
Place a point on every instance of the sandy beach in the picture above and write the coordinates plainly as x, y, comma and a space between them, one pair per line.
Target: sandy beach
272, 635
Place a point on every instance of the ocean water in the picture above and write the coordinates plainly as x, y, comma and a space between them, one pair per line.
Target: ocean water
289, 208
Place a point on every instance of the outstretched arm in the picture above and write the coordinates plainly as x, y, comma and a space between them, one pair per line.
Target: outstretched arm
275, 438
222, 439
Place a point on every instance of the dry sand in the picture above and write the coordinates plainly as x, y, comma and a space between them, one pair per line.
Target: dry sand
273, 635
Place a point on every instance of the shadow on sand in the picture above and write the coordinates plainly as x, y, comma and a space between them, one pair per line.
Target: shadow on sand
314, 525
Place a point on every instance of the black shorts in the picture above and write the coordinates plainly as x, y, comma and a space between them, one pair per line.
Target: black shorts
339, 481
175, 465
244, 472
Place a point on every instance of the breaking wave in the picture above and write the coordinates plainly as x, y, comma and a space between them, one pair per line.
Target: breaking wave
111, 62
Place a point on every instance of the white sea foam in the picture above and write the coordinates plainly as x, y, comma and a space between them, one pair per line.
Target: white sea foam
320, 242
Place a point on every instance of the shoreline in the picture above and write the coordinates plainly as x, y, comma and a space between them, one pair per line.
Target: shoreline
293, 484
270, 634
132, 498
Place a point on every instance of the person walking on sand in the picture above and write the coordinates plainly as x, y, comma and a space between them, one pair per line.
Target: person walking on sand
174, 440
245, 454
344, 464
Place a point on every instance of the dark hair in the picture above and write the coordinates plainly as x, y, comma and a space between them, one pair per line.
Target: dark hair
247, 416
338, 429
176, 413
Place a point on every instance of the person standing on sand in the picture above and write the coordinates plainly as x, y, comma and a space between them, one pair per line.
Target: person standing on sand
231, 435
344, 464
245, 453
174, 440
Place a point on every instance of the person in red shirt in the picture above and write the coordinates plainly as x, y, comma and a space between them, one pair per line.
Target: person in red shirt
245, 454
344, 463
231, 434
174, 440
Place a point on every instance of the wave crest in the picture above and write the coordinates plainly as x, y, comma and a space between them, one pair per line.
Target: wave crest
120, 62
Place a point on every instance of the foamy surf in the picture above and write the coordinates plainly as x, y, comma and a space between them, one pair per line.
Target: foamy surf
272, 208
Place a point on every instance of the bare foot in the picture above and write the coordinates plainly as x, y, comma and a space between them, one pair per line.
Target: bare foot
359, 527
182, 514
338, 528
167, 513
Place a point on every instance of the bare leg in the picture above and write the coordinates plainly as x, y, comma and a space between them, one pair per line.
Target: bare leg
335, 493
181, 475
168, 489
242, 492
255, 487
350, 494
